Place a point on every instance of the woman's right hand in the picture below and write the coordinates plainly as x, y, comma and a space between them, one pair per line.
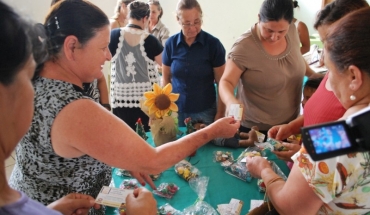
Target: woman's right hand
280, 132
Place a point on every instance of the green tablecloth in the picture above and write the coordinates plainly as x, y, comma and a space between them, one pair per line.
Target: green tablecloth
221, 187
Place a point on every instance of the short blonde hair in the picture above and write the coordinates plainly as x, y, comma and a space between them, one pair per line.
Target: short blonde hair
118, 7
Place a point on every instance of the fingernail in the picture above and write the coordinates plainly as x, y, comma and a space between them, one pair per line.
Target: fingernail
143, 184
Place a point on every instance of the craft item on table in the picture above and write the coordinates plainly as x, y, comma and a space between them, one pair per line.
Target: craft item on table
155, 177
166, 190
129, 184
167, 209
123, 173
272, 144
191, 126
225, 158
233, 208
140, 129
186, 170
160, 106
122, 209
252, 152
199, 185
277, 144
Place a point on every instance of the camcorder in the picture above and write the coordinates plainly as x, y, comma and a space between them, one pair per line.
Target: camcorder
331, 139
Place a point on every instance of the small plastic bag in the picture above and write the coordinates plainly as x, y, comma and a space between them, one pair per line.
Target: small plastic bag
186, 170
129, 184
238, 168
123, 173
199, 185
223, 157
166, 190
167, 209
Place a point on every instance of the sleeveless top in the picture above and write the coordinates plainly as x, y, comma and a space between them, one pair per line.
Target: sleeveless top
132, 72
39, 172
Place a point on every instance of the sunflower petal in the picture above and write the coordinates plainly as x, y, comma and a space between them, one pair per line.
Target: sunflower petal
149, 102
173, 96
167, 89
174, 107
157, 89
149, 95
158, 114
153, 109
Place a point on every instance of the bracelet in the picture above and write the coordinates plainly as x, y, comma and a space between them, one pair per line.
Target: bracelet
106, 106
273, 180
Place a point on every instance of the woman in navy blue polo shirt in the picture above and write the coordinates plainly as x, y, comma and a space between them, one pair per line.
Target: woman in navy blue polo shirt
193, 60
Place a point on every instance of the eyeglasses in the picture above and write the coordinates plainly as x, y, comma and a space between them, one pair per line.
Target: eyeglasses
188, 25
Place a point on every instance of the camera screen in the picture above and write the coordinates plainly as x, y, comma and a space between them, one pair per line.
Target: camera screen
329, 138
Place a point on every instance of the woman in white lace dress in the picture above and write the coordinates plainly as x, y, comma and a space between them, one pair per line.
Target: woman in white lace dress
133, 70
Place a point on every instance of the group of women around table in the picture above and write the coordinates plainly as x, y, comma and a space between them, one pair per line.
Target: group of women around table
68, 142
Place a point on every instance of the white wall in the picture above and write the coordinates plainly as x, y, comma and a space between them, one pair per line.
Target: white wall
224, 19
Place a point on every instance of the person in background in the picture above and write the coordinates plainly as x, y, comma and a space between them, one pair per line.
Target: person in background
323, 106
119, 18
73, 142
133, 69
309, 89
304, 36
156, 27
21, 51
193, 61
267, 67
336, 185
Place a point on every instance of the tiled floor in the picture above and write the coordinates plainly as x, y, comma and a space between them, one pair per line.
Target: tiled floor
9, 165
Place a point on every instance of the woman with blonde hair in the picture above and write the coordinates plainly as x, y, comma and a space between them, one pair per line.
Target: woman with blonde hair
119, 18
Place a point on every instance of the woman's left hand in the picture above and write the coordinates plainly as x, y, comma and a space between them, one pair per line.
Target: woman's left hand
256, 164
142, 178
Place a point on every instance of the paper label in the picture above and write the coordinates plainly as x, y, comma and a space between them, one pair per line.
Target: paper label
255, 203
111, 196
236, 110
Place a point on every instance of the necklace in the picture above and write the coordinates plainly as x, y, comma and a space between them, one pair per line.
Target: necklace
134, 26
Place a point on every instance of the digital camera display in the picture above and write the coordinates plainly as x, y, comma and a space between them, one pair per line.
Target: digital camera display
329, 138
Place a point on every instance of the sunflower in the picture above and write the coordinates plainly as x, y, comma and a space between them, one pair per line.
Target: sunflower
161, 101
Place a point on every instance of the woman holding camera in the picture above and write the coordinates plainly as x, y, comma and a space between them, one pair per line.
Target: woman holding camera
337, 185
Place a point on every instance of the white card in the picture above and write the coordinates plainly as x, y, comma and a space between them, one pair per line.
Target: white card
111, 196
236, 110
255, 203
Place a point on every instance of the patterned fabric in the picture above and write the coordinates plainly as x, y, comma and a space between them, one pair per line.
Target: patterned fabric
39, 172
92, 90
343, 182
132, 72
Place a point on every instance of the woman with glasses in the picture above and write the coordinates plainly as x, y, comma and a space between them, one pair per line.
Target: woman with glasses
119, 19
156, 27
193, 60
267, 67
134, 71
